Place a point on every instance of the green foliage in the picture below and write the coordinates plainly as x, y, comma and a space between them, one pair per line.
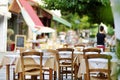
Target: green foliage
118, 48
61, 27
105, 13
94, 25
97, 10
110, 31
82, 13
94, 30
92, 36
75, 21
78, 23
84, 22
72, 5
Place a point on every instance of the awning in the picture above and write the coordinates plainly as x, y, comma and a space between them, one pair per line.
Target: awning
14, 7
29, 15
27, 12
45, 30
58, 19
61, 20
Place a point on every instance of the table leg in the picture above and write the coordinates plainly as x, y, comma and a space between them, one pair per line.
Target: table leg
33, 77
55, 75
20, 76
85, 76
7, 72
50, 73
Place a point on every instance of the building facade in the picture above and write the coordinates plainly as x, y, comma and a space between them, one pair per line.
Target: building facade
4, 16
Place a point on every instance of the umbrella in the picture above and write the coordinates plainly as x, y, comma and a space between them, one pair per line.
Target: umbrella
45, 30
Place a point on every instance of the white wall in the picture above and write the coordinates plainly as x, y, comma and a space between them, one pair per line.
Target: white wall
115, 4
3, 33
3, 24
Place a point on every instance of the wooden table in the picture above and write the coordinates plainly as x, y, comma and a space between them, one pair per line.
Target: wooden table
14, 59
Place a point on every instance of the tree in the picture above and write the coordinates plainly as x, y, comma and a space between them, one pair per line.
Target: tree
97, 10
74, 5
84, 22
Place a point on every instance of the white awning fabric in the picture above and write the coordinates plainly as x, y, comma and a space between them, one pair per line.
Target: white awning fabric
29, 15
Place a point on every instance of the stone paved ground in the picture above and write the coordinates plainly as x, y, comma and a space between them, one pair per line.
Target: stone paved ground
3, 74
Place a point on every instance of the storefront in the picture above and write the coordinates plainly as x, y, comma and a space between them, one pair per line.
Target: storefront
26, 15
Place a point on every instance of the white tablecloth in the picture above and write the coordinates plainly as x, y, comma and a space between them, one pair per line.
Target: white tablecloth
100, 62
14, 59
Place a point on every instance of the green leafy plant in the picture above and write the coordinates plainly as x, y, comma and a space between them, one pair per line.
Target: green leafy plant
110, 31
118, 48
10, 32
92, 36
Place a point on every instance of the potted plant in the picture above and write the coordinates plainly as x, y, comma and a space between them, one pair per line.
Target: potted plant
10, 43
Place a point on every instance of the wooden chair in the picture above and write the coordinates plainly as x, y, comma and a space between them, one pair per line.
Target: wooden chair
65, 62
79, 47
102, 74
91, 43
17, 50
66, 45
34, 69
55, 54
93, 50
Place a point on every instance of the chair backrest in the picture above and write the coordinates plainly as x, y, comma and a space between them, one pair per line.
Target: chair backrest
91, 43
79, 47
91, 50
99, 69
28, 62
22, 50
65, 54
65, 45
